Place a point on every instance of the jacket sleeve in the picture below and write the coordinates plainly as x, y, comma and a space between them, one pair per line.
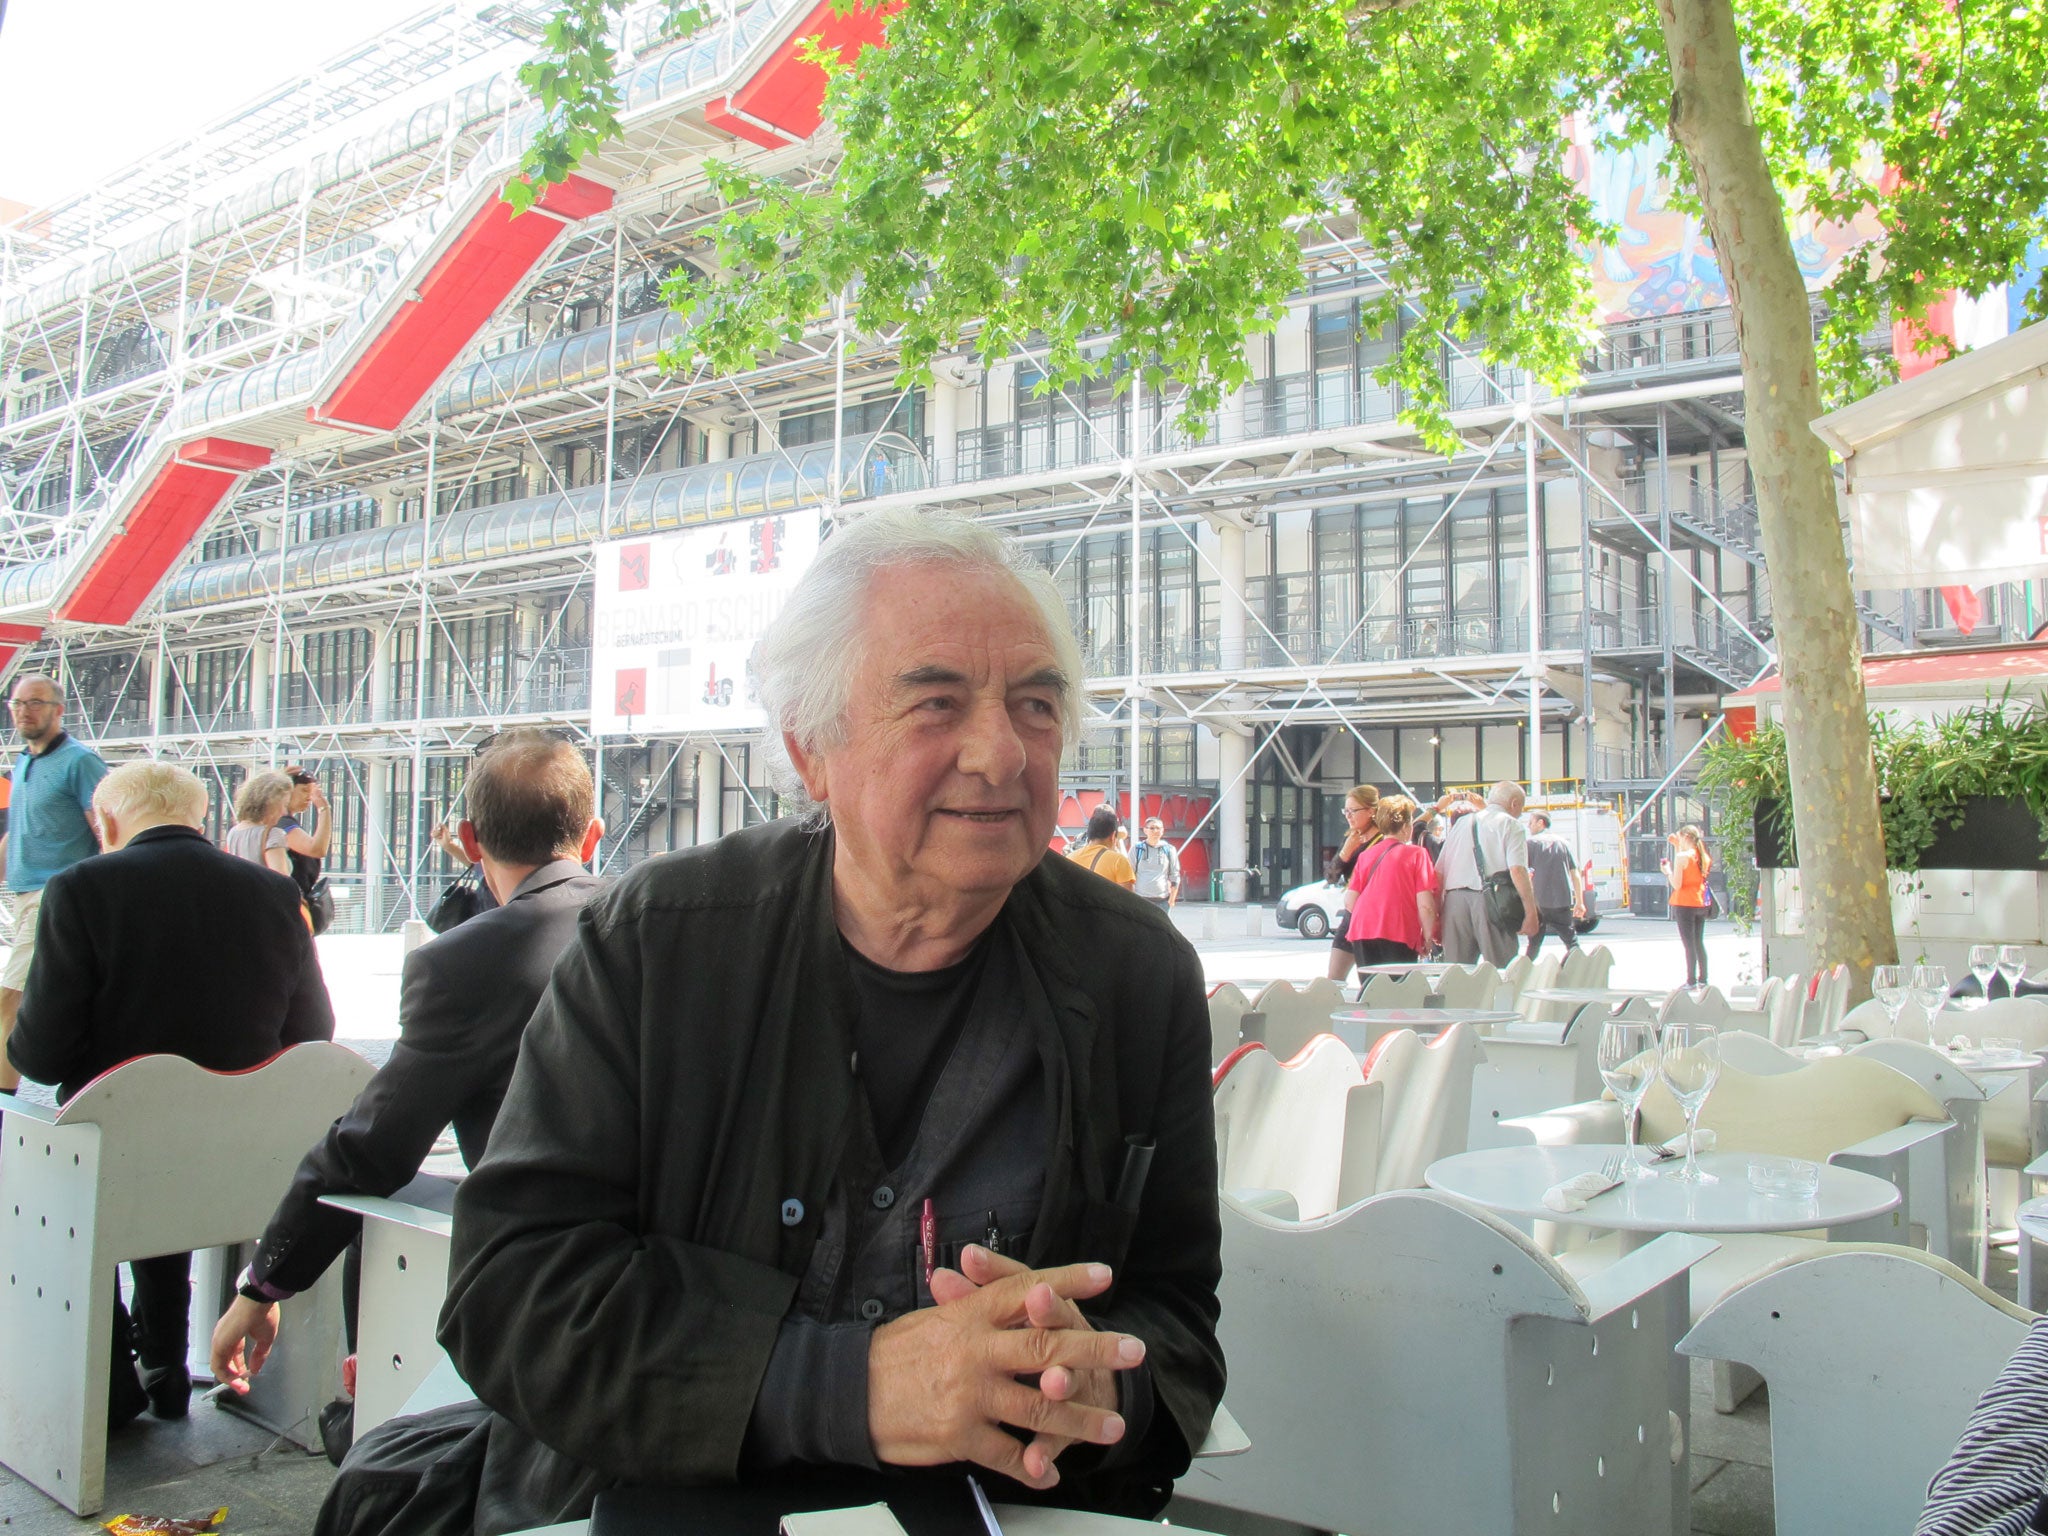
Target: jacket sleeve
309, 1013
51, 1041
636, 1353
1166, 1287
376, 1148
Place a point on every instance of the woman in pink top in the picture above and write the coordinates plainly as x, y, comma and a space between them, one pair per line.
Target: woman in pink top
1394, 906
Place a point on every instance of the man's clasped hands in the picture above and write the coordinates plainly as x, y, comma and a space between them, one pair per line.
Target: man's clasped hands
943, 1381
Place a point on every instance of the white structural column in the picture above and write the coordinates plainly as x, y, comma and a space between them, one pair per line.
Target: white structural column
1230, 566
717, 444
710, 794
376, 861
944, 424
1233, 831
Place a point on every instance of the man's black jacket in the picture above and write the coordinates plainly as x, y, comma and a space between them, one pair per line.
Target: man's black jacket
167, 947
464, 999
622, 1256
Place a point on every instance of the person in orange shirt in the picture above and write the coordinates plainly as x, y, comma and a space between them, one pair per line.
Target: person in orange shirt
1685, 876
1100, 852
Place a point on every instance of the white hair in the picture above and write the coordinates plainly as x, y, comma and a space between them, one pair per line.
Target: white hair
151, 793
809, 656
1507, 794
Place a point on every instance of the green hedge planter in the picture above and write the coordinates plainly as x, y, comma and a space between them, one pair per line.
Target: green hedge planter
1994, 834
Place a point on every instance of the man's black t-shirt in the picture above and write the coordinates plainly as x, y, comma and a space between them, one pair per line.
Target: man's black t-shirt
909, 1023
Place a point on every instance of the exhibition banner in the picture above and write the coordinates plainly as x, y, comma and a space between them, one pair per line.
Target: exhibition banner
678, 621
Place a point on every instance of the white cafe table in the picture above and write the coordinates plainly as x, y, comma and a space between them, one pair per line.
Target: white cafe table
1614, 996
1361, 1028
405, 1279
1511, 1181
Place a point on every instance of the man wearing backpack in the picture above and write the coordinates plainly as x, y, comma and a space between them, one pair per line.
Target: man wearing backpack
1156, 864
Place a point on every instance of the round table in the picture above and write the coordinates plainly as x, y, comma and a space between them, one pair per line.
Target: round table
1510, 1181
1593, 994
1361, 1028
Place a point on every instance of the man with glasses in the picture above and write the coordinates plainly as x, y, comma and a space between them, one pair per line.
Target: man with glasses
1157, 866
50, 827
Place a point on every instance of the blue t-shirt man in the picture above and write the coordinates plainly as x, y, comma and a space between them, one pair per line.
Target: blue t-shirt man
47, 826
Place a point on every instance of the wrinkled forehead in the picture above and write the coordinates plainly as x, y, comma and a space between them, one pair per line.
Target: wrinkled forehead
977, 622
35, 693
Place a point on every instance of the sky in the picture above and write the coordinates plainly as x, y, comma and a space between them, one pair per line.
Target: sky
88, 86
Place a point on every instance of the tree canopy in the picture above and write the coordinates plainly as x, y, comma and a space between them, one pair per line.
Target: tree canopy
1138, 171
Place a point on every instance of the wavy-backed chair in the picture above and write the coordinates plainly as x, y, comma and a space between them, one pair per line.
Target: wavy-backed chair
1411, 1366
1227, 1008
1875, 1356
1426, 1112
1406, 991
1707, 1006
1469, 986
1513, 977
1309, 1127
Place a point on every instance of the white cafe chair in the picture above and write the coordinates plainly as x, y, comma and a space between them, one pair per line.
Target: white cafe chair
1949, 1197
1876, 1356
1385, 991
1307, 1128
1410, 1366
1469, 986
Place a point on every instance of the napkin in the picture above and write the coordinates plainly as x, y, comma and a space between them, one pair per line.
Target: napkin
1574, 1192
1703, 1141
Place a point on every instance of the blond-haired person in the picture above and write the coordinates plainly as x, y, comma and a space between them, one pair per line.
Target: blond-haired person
129, 962
260, 805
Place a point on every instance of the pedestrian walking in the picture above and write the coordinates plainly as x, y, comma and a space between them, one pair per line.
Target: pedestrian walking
1554, 874
1361, 831
259, 807
1156, 865
50, 827
1685, 876
1396, 909
1100, 852
308, 850
1485, 871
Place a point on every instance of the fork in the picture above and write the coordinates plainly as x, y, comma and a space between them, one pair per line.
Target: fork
1611, 1170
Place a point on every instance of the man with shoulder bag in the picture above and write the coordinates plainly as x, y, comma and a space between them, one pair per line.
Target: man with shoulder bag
1488, 896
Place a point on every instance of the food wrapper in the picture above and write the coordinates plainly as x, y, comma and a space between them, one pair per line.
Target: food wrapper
165, 1525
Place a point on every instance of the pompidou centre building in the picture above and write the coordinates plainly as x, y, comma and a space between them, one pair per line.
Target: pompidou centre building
312, 452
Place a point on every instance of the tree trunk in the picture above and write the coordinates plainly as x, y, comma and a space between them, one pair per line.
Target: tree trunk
1827, 731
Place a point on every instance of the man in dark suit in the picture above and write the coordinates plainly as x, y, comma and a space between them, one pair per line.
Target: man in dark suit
465, 999
163, 945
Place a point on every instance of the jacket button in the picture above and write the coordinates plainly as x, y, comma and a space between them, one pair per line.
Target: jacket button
884, 1198
871, 1309
792, 1212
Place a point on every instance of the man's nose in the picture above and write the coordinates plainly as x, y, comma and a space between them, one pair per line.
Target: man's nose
990, 747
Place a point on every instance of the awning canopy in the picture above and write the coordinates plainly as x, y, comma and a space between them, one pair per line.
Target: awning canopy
1948, 472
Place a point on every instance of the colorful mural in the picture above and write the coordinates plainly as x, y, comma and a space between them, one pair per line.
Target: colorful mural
1662, 262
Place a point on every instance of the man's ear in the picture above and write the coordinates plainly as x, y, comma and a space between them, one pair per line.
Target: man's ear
592, 836
465, 834
810, 767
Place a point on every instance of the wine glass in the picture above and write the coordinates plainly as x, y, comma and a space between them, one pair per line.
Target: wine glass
1888, 986
1930, 991
1690, 1064
1983, 966
2012, 965
1628, 1065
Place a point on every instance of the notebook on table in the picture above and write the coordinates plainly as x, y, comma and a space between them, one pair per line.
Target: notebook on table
921, 1506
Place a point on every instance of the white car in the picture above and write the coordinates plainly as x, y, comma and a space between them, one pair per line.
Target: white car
1311, 910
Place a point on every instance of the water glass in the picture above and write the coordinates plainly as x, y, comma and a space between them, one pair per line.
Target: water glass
1690, 1065
1930, 991
1888, 986
1628, 1064
2012, 965
1983, 966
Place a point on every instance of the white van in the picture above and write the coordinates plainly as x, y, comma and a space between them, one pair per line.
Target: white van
1593, 829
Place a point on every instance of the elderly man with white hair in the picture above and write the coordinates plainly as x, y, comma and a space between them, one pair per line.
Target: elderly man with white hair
163, 946
1487, 847
875, 1139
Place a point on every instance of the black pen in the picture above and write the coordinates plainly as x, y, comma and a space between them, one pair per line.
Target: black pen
993, 1241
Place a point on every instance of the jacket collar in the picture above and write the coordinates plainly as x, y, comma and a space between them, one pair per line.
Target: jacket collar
546, 877
163, 834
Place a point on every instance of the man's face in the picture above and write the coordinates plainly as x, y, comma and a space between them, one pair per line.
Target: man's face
38, 713
1153, 832
948, 779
